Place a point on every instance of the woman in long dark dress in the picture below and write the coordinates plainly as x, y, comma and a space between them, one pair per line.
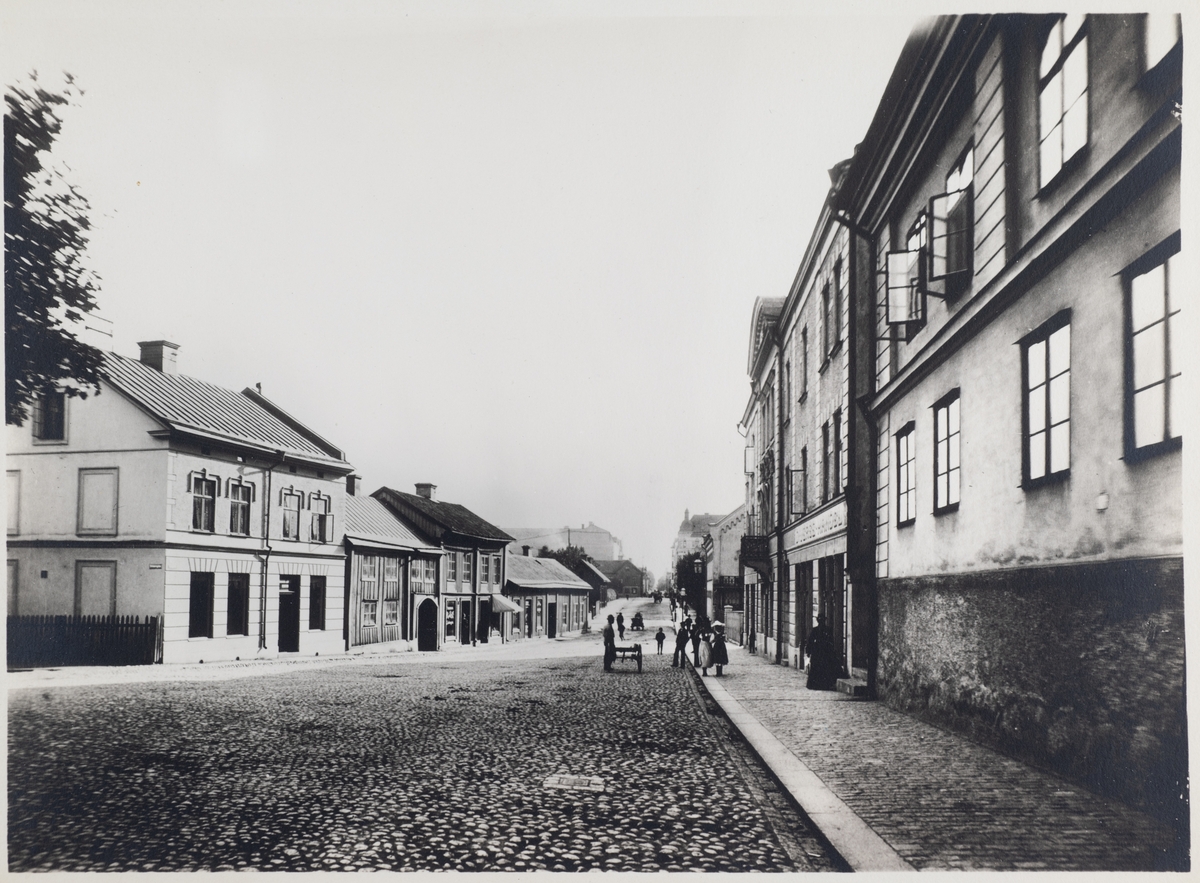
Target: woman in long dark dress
720, 655
823, 667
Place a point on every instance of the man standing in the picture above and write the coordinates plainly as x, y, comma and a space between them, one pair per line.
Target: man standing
610, 644
681, 644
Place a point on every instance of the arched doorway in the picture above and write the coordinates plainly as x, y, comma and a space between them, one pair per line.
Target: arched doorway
427, 621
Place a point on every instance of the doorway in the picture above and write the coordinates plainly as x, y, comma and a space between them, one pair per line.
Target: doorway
485, 619
528, 618
289, 614
464, 622
427, 620
552, 620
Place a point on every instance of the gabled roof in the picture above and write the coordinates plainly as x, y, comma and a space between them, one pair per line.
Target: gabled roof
442, 521
369, 522
194, 407
699, 525
620, 570
540, 573
594, 572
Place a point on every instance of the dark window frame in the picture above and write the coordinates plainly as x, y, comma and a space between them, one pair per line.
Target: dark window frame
200, 604
316, 603
955, 471
1042, 334
906, 474
1154, 258
55, 416
237, 611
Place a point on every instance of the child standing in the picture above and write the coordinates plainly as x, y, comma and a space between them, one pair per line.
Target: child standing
660, 637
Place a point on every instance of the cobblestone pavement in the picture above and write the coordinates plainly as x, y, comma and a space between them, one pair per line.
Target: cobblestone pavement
941, 801
393, 765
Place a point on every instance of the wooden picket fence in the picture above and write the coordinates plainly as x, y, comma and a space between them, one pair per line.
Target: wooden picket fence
41, 641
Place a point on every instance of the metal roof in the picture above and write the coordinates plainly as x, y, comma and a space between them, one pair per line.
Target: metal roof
185, 403
540, 573
446, 516
369, 522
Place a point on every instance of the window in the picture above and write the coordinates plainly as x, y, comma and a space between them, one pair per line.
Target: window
803, 362
467, 569
200, 606
1063, 87
906, 476
370, 614
237, 615
1162, 31
391, 612
368, 576
290, 501
837, 452
496, 569
951, 240
905, 291
316, 603
204, 501
826, 321
802, 480
452, 564
787, 391
837, 304
451, 613
1047, 417
825, 464
485, 569
50, 417
240, 497
14, 502
97, 515
946, 453
1154, 416
321, 528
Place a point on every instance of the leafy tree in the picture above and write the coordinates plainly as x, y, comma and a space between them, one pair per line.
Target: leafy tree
46, 286
570, 557
691, 580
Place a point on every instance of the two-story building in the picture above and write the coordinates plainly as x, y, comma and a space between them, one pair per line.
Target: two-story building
170, 497
1019, 193
472, 606
393, 577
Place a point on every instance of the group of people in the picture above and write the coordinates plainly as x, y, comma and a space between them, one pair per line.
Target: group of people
708, 644
707, 639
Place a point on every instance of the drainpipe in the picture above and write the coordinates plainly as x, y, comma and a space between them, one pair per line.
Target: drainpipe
265, 555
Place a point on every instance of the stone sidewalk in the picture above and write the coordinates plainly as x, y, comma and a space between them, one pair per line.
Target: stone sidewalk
891, 792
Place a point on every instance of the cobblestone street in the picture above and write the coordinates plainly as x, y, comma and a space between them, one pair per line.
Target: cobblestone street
393, 765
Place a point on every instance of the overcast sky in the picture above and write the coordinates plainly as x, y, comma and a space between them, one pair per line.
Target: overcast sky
511, 255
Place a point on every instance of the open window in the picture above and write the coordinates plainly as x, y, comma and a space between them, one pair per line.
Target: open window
905, 294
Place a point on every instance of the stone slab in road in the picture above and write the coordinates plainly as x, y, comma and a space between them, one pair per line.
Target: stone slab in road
391, 765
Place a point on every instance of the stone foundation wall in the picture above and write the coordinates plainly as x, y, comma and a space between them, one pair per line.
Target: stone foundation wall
1076, 669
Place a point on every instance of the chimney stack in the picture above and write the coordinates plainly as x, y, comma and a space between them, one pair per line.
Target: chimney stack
161, 355
352, 485
427, 490
526, 550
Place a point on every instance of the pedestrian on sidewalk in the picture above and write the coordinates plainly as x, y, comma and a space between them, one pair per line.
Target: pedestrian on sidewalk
697, 631
610, 644
660, 637
621, 625
705, 652
823, 667
681, 642
720, 654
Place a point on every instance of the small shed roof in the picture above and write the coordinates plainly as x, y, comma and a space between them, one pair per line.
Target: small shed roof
541, 573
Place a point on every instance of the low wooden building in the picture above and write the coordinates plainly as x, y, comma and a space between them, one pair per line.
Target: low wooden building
393, 577
553, 602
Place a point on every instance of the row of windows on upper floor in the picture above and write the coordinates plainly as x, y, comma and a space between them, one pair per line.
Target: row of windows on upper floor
831, 333
98, 497
1153, 419
796, 478
937, 257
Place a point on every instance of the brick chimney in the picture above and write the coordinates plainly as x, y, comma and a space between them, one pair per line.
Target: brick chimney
427, 490
352, 482
525, 549
161, 355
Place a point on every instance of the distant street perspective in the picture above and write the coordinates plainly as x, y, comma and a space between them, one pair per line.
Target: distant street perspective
352, 538
422, 764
